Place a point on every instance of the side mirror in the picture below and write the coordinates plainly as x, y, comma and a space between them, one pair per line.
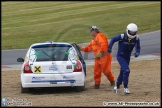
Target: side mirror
20, 60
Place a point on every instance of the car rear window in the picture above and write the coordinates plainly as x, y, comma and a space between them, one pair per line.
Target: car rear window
50, 52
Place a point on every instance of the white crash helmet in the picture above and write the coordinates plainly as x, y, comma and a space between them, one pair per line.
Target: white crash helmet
131, 30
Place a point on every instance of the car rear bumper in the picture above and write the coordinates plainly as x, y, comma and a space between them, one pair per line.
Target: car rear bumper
52, 80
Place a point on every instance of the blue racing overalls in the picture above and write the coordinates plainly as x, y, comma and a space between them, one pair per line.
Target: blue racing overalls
125, 48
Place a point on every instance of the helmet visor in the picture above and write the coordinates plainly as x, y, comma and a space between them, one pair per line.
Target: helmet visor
132, 33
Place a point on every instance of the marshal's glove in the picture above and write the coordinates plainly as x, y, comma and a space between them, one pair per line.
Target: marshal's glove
80, 48
99, 55
136, 54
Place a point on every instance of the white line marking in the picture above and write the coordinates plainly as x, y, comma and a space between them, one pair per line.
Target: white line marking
150, 32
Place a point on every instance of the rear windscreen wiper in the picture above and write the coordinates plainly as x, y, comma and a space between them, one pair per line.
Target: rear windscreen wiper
46, 54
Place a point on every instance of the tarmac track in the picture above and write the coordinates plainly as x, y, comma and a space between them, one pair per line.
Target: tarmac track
150, 44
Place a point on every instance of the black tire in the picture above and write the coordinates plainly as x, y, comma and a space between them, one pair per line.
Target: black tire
80, 88
24, 90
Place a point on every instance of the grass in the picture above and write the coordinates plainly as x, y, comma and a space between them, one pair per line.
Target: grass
25, 23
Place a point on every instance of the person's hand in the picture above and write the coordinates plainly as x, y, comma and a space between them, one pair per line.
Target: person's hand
80, 48
109, 50
136, 54
99, 55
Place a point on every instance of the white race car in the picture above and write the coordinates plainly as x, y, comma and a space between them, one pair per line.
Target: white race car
53, 64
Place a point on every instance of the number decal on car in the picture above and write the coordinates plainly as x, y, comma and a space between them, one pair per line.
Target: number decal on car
37, 69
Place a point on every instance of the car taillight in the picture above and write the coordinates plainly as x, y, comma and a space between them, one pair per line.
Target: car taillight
78, 67
27, 68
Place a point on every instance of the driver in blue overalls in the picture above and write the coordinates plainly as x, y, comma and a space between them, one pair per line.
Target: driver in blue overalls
127, 42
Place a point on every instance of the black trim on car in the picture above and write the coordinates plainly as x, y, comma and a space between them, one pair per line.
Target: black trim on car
80, 57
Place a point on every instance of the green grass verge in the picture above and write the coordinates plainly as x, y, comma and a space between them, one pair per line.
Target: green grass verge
25, 23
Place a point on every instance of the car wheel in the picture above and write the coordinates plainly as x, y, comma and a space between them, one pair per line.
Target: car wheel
24, 90
80, 88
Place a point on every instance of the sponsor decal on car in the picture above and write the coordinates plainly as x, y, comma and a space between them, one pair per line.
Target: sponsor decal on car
72, 55
68, 77
54, 81
53, 68
32, 57
37, 78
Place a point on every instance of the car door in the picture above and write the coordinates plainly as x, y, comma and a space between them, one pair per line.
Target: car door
80, 57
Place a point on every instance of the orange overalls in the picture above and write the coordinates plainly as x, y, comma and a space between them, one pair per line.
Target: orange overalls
100, 43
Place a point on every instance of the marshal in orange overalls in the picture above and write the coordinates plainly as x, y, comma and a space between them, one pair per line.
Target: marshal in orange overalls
103, 64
